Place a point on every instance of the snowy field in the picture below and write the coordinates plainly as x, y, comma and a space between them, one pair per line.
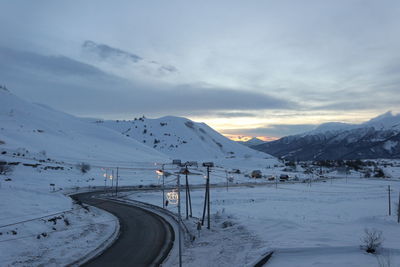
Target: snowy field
306, 225
45, 229
42, 227
319, 224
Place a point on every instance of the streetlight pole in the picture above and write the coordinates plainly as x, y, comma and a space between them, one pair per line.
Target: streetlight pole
116, 185
105, 181
163, 187
179, 220
178, 180
208, 197
112, 180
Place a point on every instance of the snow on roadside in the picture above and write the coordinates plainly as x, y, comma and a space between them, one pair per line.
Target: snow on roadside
317, 225
68, 233
227, 243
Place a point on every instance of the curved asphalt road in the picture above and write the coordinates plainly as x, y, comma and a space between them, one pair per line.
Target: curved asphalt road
143, 235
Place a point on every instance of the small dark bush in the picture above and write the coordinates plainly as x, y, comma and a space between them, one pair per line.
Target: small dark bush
83, 167
379, 173
5, 168
227, 224
372, 240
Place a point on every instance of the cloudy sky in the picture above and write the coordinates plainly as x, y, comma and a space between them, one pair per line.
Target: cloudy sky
251, 68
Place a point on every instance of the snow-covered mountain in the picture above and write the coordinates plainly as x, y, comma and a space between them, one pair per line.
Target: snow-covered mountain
33, 130
376, 138
252, 142
183, 139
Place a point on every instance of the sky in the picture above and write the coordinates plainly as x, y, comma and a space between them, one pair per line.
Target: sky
246, 68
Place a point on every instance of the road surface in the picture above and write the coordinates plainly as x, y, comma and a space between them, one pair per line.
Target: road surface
143, 235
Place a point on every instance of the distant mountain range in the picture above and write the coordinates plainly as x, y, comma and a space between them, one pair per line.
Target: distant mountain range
376, 138
252, 142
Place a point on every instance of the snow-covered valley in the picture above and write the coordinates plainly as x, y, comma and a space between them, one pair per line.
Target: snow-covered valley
308, 214
317, 225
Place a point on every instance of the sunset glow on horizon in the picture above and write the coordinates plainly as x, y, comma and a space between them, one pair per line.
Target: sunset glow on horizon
247, 138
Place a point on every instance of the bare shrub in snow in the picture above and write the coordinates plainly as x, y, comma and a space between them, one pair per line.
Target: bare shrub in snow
83, 167
371, 240
5, 168
227, 224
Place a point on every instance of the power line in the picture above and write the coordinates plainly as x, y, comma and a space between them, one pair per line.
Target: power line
61, 212
67, 229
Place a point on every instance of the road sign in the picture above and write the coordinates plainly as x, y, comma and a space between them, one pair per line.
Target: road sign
173, 197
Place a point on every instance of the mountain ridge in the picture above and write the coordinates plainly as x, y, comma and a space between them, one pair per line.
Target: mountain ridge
378, 137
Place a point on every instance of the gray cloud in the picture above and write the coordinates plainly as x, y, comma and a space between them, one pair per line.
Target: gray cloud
124, 61
306, 56
56, 65
348, 105
106, 52
235, 114
95, 92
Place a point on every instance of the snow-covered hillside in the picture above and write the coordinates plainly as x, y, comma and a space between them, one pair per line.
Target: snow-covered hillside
36, 131
384, 122
183, 139
376, 138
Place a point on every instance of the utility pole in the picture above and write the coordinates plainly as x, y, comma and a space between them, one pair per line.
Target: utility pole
105, 181
116, 184
205, 205
180, 219
112, 180
188, 198
163, 187
390, 206
398, 210
226, 174
207, 195
186, 192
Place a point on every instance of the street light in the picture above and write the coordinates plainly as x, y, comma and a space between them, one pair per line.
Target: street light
162, 173
175, 198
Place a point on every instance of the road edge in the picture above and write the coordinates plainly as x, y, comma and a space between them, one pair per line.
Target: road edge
171, 220
103, 246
